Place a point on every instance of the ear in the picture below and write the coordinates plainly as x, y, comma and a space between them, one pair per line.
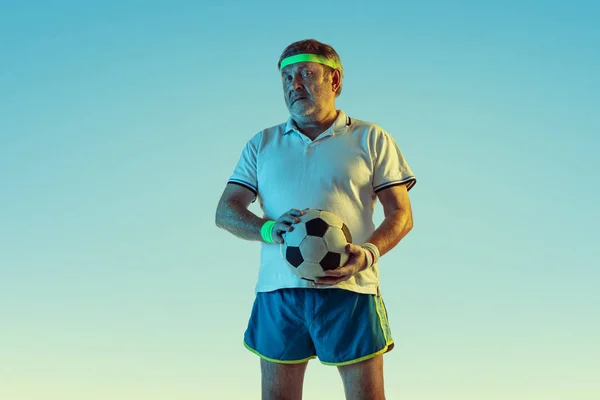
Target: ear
336, 80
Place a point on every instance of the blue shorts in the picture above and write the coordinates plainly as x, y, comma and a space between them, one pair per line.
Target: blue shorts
339, 326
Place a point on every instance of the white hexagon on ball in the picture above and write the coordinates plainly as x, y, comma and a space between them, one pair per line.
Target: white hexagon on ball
295, 237
313, 249
309, 270
331, 219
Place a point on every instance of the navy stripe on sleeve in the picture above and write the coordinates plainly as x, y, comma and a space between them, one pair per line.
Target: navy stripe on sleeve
244, 184
410, 182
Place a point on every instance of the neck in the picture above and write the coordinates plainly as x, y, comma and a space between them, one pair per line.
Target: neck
313, 128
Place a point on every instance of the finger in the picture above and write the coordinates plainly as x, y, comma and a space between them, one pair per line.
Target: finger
283, 227
286, 219
278, 238
296, 212
352, 248
339, 272
334, 272
324, 282
329, 281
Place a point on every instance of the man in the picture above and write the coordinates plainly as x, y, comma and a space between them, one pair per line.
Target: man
320, 158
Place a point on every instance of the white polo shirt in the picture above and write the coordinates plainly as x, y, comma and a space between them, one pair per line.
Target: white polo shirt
340, 171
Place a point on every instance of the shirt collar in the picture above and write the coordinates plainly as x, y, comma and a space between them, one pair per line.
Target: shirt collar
340, 123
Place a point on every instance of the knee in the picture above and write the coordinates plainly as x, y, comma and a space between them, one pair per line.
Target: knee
364, 380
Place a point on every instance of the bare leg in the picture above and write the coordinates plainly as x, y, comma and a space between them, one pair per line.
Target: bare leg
282, 381
364, 380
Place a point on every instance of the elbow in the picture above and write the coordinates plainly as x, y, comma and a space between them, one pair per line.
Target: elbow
409, 223
219, 216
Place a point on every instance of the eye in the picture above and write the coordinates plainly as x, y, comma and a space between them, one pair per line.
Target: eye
307, 73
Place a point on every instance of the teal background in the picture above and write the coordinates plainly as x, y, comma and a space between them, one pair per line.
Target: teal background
121, 121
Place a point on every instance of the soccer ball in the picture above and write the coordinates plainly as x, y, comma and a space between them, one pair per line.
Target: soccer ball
317, 244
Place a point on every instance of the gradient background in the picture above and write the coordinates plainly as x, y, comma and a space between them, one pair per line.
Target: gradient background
121, 121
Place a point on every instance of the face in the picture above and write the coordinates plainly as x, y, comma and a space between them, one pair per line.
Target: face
309, 90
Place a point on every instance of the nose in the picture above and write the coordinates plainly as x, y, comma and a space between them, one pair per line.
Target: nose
296, 81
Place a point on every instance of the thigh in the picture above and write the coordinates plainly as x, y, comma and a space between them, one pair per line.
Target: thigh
277, 330
364, 380
282, 381
349, 327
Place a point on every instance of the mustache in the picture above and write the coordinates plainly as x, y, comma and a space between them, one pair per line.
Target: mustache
295, 96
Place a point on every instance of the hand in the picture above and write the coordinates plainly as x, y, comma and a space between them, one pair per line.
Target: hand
357, 261
284, 224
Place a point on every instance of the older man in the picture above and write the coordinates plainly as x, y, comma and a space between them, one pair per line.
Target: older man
320, 158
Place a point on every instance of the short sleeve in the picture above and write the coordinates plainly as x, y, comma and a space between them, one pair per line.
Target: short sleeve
245, 172
389, 165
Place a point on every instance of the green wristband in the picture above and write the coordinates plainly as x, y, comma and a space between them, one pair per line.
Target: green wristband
266, 231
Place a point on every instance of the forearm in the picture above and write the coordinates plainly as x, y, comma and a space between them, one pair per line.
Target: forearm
392, 229
240, 221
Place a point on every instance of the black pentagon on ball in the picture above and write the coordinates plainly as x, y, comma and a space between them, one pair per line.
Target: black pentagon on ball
331, 261
316, 227
293, 256
347, 233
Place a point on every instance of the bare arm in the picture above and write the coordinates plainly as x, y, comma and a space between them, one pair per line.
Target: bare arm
396, 224
233, 215
398, 219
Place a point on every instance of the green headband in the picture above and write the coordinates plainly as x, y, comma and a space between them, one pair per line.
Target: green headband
308, 58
